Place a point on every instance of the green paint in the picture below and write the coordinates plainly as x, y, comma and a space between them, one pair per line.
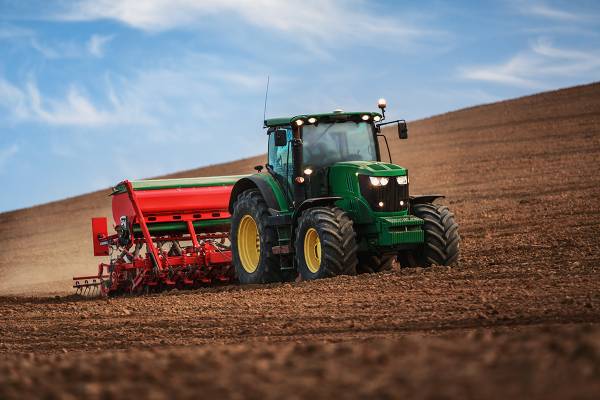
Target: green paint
374, 168
343, 182
377, 229
158, 184
280, 196
170, 227
393, 231
327, 117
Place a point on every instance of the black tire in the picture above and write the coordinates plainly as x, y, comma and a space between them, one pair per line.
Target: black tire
370, 263
442, 241
251, 202
411, 259
338, 248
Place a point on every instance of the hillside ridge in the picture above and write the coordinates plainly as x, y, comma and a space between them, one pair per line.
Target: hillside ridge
449, 114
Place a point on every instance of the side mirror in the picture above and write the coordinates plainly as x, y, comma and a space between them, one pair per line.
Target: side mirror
402, 130
280, 137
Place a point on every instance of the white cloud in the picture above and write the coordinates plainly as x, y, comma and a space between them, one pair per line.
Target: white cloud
12, 32
27, 104
68, 48
542, 63
56, 49
515, 72
97, 43
44, 50
543, 10
6, 154
314, 23
13, 99
75, 109
177, 99
241, 79
197, 89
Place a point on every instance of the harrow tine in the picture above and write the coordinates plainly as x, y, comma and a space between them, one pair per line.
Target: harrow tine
87, 287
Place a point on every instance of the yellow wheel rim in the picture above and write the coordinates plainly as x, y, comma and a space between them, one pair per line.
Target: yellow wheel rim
248, 244
312, 250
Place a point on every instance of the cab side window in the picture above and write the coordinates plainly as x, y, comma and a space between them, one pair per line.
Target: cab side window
280, 158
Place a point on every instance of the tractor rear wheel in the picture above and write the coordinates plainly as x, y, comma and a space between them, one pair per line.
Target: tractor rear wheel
325, 244
442, 241
252, 240
370, 263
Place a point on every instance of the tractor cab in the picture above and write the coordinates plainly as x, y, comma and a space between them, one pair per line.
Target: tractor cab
316, 142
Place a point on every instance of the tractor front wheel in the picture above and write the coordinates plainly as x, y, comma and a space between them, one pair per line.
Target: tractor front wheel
442, 240
325, 244
252, 240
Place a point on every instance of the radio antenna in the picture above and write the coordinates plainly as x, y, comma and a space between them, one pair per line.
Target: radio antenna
266, 96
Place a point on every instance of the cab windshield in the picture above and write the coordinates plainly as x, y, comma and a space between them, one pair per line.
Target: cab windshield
326, 144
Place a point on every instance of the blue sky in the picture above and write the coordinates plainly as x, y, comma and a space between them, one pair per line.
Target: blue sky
95, 91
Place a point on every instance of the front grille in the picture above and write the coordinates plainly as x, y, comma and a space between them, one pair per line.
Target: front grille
390, 195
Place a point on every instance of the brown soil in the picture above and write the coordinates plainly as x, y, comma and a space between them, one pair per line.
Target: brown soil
518, 317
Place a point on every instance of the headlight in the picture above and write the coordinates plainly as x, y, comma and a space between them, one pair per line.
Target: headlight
402, 180
379, 181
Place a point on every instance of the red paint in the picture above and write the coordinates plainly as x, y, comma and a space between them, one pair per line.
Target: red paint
99, 230
159, 202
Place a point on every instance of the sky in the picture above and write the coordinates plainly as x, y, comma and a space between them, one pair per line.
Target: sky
96, 91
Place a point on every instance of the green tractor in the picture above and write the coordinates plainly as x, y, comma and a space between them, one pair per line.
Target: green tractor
327, 205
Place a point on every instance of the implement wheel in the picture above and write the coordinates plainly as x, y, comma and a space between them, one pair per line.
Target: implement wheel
252, 240
325, 244
442, 240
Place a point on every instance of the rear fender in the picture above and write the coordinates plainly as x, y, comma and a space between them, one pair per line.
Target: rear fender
268, 187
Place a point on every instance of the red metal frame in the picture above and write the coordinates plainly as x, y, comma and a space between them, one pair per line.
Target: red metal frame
207, 260
99, 230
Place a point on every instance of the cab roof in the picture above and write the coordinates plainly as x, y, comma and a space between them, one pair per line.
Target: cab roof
328, 117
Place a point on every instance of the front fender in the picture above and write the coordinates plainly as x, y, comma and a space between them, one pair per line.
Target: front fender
310, 203
425, 198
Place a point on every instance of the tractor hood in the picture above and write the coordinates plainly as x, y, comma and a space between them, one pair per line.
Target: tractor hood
372, 168
363, 191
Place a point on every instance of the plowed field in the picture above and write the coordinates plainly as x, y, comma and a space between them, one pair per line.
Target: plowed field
518, 317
